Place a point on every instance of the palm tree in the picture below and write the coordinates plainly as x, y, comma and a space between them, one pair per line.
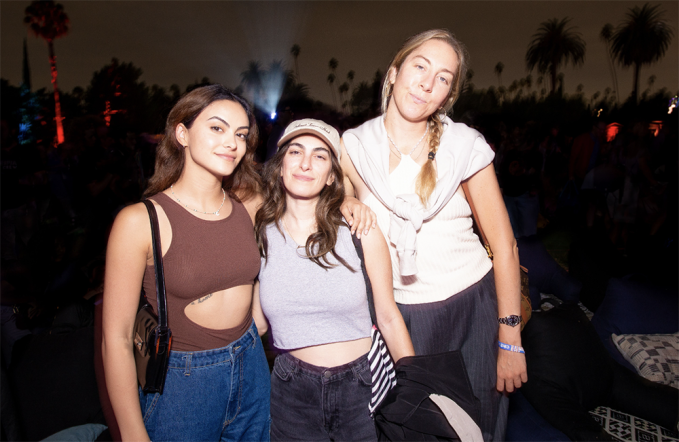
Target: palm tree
294, 50
331, 82
343, 90
252, 79
553, 45
350, 76
499, 67
48, 20
643, 38
332, 64
606, 35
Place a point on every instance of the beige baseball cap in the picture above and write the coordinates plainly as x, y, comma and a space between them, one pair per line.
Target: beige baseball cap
317, 128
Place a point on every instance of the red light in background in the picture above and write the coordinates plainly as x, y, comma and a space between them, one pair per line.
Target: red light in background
612, 131
654, 127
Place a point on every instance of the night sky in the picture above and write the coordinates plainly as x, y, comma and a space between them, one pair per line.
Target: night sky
181, 42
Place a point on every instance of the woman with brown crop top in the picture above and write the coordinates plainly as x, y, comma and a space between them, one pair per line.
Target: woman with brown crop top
217, 385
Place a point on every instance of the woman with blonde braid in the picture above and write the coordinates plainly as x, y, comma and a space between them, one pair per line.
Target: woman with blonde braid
407, 165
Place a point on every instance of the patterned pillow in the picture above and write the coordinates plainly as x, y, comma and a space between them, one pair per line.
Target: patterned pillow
656, 357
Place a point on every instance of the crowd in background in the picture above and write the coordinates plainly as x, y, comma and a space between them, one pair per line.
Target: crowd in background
612, 186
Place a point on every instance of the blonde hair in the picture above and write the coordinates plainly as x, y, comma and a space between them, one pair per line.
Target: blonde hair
426, 179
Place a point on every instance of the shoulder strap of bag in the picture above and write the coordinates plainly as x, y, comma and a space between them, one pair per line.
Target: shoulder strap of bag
368, 286
484, 240
158, 264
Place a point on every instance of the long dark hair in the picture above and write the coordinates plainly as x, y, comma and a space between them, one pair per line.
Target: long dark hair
243, 183
328, 216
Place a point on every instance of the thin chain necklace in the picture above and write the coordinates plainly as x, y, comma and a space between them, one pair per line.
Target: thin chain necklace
287, 229
196, 210
426, 131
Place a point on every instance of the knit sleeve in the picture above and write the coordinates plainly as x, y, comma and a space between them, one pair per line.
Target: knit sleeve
481, 156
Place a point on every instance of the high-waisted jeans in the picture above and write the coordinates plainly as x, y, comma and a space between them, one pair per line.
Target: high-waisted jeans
213, 395
314, 403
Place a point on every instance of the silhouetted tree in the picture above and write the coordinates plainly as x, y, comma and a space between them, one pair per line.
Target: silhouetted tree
343, 90
642, 38
48, 21
295, 50
332, 64
251, 79
116, 90
606, 35
553, 45
499, 67
331, 81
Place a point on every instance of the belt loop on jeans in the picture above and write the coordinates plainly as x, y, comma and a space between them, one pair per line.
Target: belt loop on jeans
187, 364
254, 335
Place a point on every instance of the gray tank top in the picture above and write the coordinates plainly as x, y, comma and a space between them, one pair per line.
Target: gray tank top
307, 305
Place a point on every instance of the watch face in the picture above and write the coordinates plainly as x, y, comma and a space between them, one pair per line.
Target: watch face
512, 320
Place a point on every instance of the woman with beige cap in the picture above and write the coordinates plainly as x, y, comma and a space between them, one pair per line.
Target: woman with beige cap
313, 294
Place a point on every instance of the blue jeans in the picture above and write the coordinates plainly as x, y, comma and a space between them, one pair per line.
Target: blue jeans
213, 395
317, 403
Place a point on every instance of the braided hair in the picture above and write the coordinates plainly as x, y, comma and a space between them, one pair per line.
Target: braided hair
426, 179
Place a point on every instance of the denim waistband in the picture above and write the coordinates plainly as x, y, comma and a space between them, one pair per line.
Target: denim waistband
326, 374
179, 359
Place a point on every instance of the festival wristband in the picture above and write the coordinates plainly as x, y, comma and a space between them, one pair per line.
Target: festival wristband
514, 348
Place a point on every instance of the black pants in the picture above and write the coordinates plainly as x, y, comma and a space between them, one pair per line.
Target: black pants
467, 321
314, 403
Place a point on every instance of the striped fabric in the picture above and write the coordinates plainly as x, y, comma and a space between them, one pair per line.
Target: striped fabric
381, 369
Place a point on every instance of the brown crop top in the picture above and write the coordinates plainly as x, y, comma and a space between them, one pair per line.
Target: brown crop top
204, 257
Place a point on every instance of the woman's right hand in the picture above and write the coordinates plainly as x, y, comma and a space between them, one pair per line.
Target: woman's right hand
359, 216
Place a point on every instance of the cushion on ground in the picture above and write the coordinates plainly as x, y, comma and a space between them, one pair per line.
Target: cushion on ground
80, 433
629, 428
570, 373
633, 307
655, 357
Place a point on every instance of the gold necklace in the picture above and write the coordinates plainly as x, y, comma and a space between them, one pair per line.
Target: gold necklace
196, 210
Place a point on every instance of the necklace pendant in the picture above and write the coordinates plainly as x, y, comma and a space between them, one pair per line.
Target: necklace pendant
217, 213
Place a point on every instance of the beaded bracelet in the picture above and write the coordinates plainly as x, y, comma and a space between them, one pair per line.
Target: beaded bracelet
514, 348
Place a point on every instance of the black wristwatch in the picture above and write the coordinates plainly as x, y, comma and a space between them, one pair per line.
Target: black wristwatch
511, 320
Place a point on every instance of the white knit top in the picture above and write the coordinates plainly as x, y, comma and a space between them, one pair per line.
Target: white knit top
449, 257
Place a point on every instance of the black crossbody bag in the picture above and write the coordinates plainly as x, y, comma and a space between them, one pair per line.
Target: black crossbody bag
152, 336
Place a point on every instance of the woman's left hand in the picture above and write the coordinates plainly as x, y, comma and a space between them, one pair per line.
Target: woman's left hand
511, 370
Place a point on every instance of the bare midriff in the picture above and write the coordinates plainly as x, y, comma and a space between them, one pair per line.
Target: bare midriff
333, 354
221, 310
